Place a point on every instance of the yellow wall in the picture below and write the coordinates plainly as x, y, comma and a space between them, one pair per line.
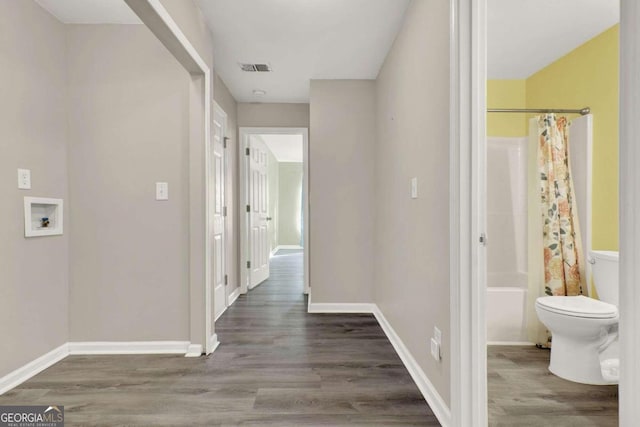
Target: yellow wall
506, 94
587, 76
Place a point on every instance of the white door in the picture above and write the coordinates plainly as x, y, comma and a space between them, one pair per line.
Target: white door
219, 273
258, 212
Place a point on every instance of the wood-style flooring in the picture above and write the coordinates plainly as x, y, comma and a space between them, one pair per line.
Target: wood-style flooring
522, 392
276, 365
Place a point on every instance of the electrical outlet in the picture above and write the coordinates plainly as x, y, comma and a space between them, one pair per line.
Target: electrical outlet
437, 335
435, 349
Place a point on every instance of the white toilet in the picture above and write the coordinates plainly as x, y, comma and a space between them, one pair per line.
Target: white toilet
583, 328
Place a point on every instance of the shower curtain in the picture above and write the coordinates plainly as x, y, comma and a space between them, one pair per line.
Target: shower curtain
562, 246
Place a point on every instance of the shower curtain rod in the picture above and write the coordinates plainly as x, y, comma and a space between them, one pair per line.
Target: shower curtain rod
583, 111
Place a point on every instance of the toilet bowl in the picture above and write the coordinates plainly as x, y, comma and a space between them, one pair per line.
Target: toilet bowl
584, 328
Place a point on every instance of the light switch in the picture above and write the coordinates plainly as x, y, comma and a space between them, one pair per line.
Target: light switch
414, 187
162, 191
435, 349
24, 179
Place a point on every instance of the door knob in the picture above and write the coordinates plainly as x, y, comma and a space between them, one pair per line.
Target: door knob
268, 218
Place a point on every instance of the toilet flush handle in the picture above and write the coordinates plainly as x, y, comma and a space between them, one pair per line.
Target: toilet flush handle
591, 260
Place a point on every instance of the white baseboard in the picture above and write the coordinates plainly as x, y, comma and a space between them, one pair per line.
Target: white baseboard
129, 347
234, 296
22, 374
509, 343
319, 307
297, 247
193, 350
216, 343
220, 314
431, 395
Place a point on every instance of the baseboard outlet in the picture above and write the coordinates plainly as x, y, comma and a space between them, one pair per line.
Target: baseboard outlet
431, 395
510, 343
234, 296
22, 374
319, 307
129, 347
194, 350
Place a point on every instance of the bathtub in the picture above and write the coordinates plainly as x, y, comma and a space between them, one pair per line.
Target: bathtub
506, 308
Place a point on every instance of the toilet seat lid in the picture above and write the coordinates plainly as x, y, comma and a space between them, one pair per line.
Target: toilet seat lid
578, 306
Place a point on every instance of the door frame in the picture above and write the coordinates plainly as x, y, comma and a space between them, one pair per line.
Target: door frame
468, 123
467, 199
243, 169
629, 156
216, 108
155, 16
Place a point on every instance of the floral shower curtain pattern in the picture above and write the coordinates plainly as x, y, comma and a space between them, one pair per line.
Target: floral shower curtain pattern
561, 231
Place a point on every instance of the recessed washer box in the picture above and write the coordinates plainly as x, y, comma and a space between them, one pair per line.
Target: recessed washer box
42, 216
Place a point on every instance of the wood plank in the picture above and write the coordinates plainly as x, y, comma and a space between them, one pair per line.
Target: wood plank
276, 365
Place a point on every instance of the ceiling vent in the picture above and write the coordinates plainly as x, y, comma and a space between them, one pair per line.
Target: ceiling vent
252, 68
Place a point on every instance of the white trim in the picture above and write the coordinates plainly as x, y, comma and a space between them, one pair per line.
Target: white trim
214, 339
128, 347
221, 313
431, 395
56, 230
507, 343
629, 387
234, 296
288, 247
22, 374
194, 350
277, 248
154, 15
318, 307
467, 215
243, 136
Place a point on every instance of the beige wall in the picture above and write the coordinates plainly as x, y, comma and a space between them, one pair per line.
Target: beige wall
341, 173
226, 101
273, 115
33, 135
289, 202
412, 235
129, 127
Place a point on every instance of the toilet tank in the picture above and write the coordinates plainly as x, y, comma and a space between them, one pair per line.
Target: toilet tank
604, 265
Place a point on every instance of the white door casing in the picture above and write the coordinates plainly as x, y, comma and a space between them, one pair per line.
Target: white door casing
258, 211
245, 134
217, 211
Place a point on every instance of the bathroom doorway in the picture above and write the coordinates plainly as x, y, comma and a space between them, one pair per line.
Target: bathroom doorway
525, 88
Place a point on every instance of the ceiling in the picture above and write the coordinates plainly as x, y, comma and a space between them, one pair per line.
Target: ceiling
301, 40
525, 36
90, 11
285, 148
349, 39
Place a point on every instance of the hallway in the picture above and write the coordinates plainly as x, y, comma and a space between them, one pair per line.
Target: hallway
276, 365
